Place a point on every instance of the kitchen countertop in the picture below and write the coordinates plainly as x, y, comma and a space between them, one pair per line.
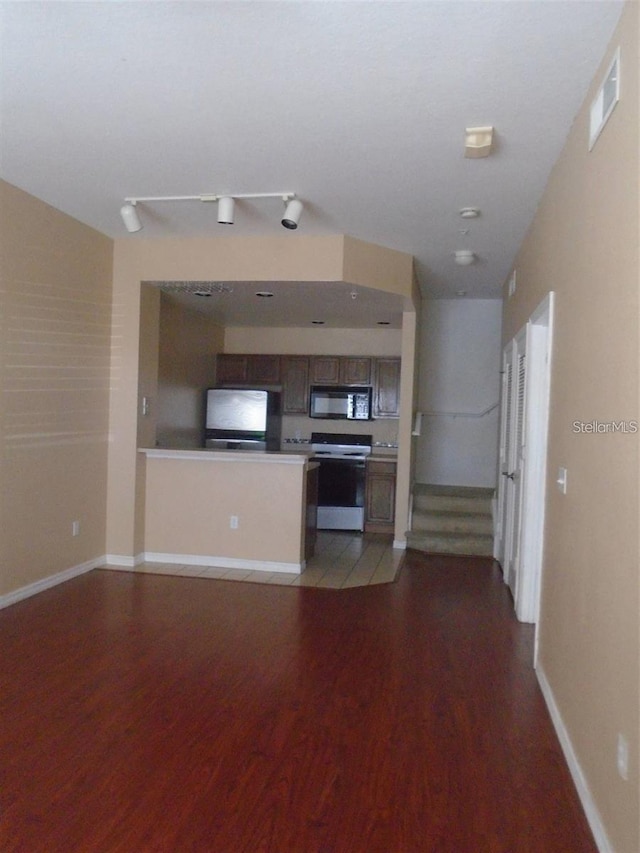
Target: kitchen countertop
280, 457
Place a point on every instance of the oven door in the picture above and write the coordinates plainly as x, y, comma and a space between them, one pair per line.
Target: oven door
341, 494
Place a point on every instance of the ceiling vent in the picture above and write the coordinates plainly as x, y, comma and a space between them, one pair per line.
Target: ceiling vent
605, 101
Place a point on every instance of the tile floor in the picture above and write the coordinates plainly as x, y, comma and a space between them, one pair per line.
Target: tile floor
342, 560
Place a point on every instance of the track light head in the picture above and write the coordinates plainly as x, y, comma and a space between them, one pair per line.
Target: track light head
225, 210
130, 217
292, 214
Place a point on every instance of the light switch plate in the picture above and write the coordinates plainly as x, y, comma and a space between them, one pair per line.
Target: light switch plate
562, 480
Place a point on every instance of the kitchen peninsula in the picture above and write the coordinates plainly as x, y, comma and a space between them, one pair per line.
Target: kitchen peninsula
239, 509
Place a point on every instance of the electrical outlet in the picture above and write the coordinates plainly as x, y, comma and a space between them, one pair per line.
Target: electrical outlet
75, 528
622, 757
233, 522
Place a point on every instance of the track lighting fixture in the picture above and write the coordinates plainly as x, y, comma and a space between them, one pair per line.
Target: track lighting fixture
292, 214
225, 210
130, 217
226, 205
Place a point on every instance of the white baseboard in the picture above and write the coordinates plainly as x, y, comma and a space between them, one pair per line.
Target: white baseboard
224, 562
48, 582
579, 780
400, 544
121, 562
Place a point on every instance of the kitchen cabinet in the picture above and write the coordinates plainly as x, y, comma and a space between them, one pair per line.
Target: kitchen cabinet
355, 371
386, 394
340, 370
232, 369
264, 369
294, 371
248, 369
325, 370
380, 496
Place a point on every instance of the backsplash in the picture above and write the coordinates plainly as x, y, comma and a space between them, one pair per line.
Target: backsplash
296, 429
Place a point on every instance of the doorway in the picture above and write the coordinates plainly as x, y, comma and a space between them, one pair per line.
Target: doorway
524, 418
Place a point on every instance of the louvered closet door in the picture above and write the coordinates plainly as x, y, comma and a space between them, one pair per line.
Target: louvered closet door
512, 474
504, 451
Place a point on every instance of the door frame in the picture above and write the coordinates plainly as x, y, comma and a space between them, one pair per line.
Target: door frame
538, 333
539, 354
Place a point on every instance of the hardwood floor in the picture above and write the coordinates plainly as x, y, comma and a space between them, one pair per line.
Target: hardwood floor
162, 714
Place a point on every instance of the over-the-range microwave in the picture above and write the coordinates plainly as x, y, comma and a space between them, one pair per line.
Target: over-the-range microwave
337, 402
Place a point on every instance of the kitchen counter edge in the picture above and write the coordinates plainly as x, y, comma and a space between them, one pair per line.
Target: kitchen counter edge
278, 457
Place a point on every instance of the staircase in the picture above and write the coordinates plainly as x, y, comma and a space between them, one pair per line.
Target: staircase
451, 520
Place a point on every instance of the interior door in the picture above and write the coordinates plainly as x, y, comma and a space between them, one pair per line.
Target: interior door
524, 419
505, 437
513, 459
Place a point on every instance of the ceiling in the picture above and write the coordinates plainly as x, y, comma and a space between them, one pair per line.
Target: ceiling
357, 107
334, 304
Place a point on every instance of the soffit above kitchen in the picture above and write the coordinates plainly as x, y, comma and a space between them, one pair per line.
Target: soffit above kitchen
358, 108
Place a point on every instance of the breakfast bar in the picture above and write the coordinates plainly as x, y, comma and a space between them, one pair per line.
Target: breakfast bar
239, 509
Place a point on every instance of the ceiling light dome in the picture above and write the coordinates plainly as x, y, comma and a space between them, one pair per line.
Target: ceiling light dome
464, 257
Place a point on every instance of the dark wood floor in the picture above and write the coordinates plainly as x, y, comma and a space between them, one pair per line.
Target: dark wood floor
145, 713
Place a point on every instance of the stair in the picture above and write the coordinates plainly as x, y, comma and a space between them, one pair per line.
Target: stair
451, 520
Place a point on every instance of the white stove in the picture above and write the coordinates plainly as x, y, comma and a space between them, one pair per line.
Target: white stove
342, 458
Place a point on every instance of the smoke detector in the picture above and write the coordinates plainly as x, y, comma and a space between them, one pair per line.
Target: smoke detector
478, 141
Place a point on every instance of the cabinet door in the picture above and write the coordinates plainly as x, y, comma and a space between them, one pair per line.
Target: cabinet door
387, 388
232, 368
264, 369
325, 370
355, 371
295, 385
380, 496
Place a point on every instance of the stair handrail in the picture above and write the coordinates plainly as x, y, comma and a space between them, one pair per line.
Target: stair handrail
481, 414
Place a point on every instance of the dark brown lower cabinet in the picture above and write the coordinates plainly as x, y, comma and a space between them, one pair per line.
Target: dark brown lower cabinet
380, 496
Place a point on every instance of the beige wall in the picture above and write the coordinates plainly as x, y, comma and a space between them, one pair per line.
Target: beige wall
376, 266
136, 260
54, 338
190, 502
583, 245
189, 342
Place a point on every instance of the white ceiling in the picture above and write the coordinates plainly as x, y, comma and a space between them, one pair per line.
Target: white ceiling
358, 107
334, 304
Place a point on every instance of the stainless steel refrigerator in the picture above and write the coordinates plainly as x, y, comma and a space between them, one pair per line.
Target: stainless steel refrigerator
243, 419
